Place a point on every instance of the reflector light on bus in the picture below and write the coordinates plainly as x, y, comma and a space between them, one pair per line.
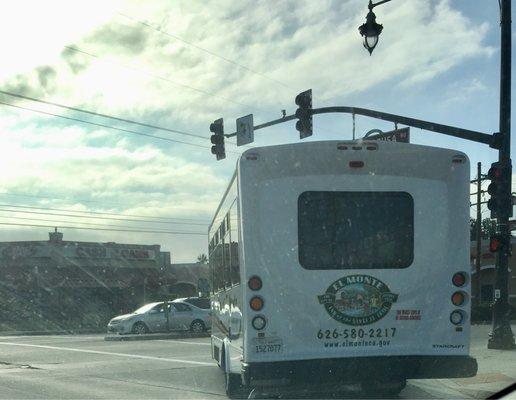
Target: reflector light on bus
456, 317
458, 299
256, 303
258, 322
356, 164
255, 283
371, 147
341, 146
459, 279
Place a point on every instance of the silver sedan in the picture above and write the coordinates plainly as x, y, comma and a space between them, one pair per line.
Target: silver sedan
153, 318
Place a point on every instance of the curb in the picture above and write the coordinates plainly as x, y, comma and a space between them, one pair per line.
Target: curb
155, 336
43, 333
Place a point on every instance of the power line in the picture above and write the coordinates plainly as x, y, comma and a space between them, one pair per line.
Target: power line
205, 50
166, 220
104, 229
95, 217
90, 201
109, 127
156, 76
20, 96
80, 222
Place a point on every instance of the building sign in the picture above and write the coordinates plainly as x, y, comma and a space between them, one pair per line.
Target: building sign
106, 252
133, 254
22, 251
397, 135
90, 252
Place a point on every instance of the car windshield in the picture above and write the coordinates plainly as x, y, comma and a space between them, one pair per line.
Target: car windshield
257, 199
145, 308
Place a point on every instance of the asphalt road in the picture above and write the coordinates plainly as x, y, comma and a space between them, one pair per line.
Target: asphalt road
86, 366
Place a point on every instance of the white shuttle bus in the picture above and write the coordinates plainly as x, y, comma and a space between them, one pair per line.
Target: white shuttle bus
342, 261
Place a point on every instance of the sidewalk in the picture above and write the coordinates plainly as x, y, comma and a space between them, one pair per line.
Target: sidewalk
496, 370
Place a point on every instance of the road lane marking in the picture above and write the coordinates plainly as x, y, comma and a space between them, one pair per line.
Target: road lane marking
181, 341
107, 353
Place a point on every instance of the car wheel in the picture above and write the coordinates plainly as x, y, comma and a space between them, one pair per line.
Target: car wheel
139, 328
197, 326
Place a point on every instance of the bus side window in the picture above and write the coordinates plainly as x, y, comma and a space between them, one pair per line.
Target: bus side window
235, 267
217, 265
227, 259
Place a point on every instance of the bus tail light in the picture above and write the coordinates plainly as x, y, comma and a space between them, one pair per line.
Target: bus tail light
457, 317
458, 299
258, 322
256, 303
459, 279
254, 283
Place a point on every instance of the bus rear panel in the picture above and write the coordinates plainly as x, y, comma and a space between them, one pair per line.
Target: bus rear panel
361, 251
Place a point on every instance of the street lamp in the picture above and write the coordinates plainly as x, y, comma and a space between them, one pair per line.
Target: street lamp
371, 30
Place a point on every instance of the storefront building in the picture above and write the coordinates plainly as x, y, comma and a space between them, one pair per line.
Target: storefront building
78, 283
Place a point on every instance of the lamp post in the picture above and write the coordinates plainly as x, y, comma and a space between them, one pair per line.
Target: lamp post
501, 336
371, 30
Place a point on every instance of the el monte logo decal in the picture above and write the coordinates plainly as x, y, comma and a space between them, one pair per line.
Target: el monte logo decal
357, 300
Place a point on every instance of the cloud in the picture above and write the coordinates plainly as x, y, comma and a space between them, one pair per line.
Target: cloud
138, 73
116, 35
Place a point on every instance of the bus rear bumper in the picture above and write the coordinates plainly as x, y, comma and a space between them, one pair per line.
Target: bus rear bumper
360, 369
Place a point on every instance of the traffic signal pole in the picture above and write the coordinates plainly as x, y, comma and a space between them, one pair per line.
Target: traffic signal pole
478, 234
501, 336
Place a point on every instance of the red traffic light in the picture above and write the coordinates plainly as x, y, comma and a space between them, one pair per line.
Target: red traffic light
495, 243
459, 279
495, 172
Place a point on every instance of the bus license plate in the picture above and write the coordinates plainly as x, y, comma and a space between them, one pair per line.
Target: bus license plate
267, 345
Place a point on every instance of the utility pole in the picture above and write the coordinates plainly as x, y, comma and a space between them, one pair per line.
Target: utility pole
478, 233
501, 336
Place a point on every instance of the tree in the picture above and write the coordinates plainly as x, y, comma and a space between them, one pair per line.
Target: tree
488, 228
202, 259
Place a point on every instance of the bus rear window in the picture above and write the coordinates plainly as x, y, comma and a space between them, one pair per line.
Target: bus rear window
355, 230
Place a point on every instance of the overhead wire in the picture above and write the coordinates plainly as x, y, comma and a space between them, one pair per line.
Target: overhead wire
165, 79
78, 222
104, 229
212, 53
109, 127
89, 201
179, 132
165, 219
101, 218
144, 124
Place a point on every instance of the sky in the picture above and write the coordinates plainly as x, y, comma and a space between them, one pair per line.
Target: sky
180, 65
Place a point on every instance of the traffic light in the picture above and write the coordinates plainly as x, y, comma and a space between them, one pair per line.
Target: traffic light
499, 189
217, 139
495, 243
304, 114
